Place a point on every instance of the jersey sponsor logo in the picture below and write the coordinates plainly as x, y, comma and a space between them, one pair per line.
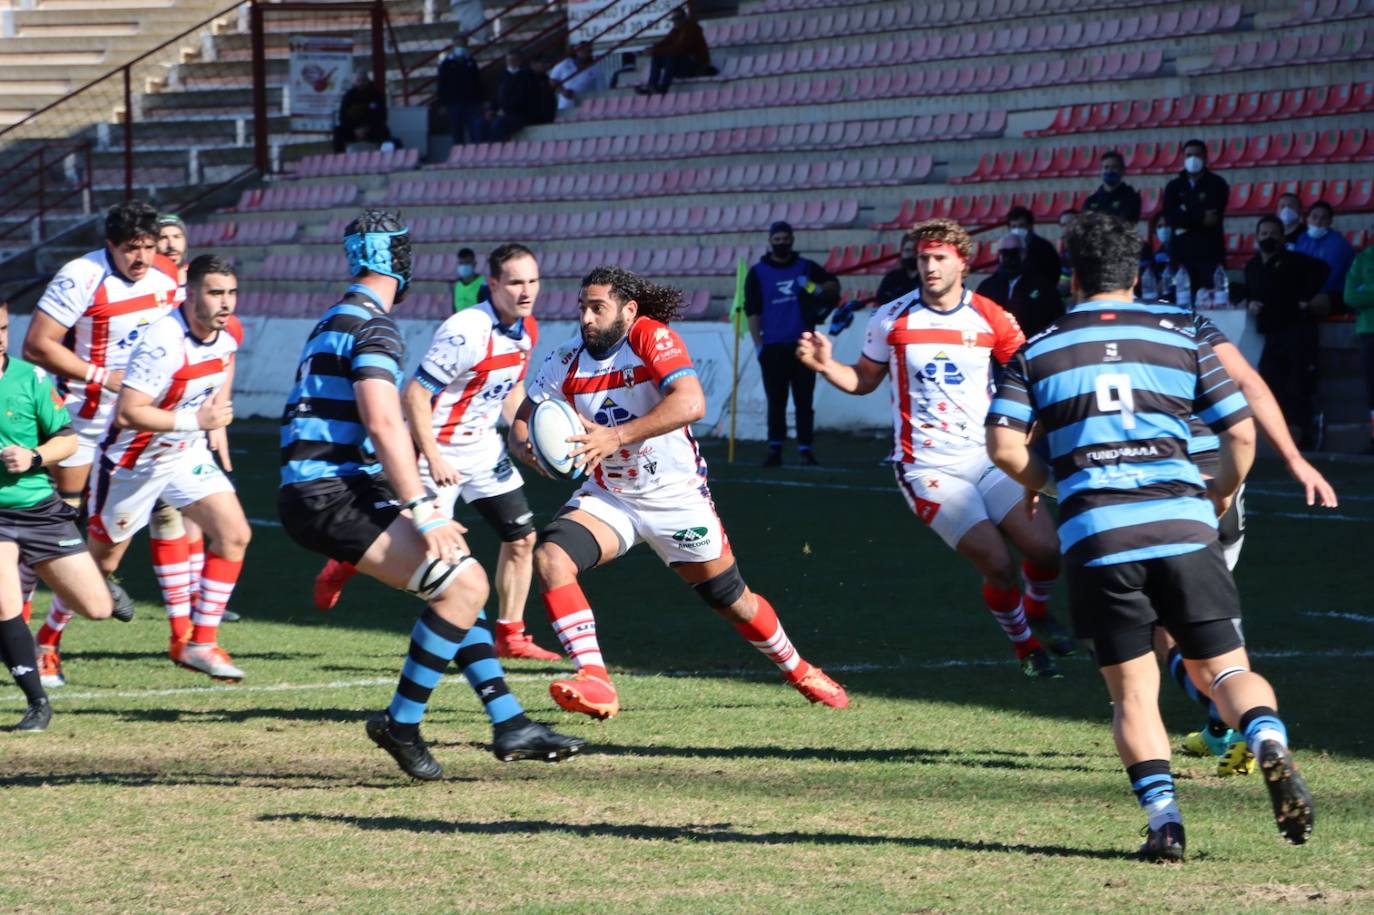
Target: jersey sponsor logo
205, 470
926, 510
942, 370
1111, 354
503, 469
786, 287
693, 538
611, 414
74, 542
1112, 454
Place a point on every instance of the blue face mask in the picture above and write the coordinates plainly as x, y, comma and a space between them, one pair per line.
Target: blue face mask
1111, 178
1317, 232
465, 271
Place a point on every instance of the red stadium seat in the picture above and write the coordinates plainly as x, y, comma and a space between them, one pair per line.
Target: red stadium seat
1336, 193
1328, 143
1310, 192
1352, 146
1361, 197
1281, 150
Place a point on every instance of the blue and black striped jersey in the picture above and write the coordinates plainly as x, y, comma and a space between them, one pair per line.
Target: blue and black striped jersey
1113, 384
322, 435
1203, 444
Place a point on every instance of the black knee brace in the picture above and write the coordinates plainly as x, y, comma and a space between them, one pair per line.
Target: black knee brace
575, 540
722, 590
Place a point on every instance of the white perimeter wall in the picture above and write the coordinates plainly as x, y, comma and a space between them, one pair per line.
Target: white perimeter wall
267, 367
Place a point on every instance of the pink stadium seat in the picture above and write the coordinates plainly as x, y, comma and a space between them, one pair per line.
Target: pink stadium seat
1336, 193
1304, 146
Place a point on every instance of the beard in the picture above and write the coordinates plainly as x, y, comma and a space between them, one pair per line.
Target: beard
599, 343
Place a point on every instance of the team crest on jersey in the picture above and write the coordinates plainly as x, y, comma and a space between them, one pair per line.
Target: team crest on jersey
629, 376
970, 338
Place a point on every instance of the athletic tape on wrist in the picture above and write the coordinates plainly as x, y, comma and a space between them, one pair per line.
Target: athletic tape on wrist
185, 421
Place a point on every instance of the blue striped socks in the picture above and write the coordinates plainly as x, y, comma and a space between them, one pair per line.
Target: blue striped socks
477, 659
433, 644
1153, 785
1262, 723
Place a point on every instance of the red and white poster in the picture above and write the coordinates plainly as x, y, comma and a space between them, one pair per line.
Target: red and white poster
321, 72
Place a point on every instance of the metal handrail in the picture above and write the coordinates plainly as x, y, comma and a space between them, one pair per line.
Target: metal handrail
124, 66
408, 90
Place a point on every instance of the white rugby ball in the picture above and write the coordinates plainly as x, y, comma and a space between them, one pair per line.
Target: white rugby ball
551, 424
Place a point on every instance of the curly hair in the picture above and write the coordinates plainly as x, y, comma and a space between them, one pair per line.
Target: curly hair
129, 221
661, 303
943, 232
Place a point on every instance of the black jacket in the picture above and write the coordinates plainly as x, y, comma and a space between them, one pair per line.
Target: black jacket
1122, 201
1279, 285
1033, 300
896, 284
460, 81
1185, 201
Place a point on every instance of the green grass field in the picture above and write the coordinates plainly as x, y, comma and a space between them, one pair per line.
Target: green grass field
951, 783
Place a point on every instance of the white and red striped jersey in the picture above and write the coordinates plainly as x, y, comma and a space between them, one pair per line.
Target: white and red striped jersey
470, 367
626, 385
108, 314
180, 373
940, 364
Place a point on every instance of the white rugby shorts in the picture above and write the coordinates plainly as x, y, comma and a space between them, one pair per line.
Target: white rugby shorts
485, 468
679, 523
951, 500
121, 500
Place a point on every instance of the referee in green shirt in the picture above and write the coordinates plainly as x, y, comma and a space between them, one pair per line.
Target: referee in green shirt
36, 527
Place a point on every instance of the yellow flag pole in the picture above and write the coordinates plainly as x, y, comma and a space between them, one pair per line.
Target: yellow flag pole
737, 317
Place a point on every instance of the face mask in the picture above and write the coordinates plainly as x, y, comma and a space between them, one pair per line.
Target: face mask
1164, 233
1020, 231
1288, 215
465, 271
781, 252
1316, 232
1111, 178
910, 263
1269, 245
460, 52
1192, 164
1010, 261
512, 70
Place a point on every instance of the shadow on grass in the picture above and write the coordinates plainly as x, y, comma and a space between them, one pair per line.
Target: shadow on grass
100, 655
219, 716
983, 759
217, 779
703, 832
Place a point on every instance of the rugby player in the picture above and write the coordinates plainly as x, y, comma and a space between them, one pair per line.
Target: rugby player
85, 326
631, 379
1216, 738
37, 528
351, 489
937, 343
1114, 383
156, 449
471, 377
177, 544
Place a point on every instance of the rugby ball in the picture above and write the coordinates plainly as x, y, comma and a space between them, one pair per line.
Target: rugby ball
551, 424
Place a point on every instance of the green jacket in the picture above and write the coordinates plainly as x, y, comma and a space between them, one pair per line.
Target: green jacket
32, 414
1359, 290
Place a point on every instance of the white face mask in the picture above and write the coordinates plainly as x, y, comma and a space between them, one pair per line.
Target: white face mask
512, 70
1164, 233
1288, 215
1020, 231
1316, 232
1192, 165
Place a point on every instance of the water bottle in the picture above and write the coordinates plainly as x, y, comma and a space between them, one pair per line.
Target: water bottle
1149, 289
1183, 289
1165, 289
1221, 288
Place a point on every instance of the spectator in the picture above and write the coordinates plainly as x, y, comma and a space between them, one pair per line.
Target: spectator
1032, 298
362, 114
1066, 219
517, 99
1283, 290
460, 92
468, 287
902, 279
577, 76
786, 295
1359, 296
680, 54
544, 94
1154, 250
1290, 214
1329, 246
1040, 254
1195, 208
1115, 197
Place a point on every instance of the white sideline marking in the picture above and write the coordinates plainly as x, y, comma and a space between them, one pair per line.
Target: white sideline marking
263, 522
1294, 491
753, 672
1337, 615
1308, 516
